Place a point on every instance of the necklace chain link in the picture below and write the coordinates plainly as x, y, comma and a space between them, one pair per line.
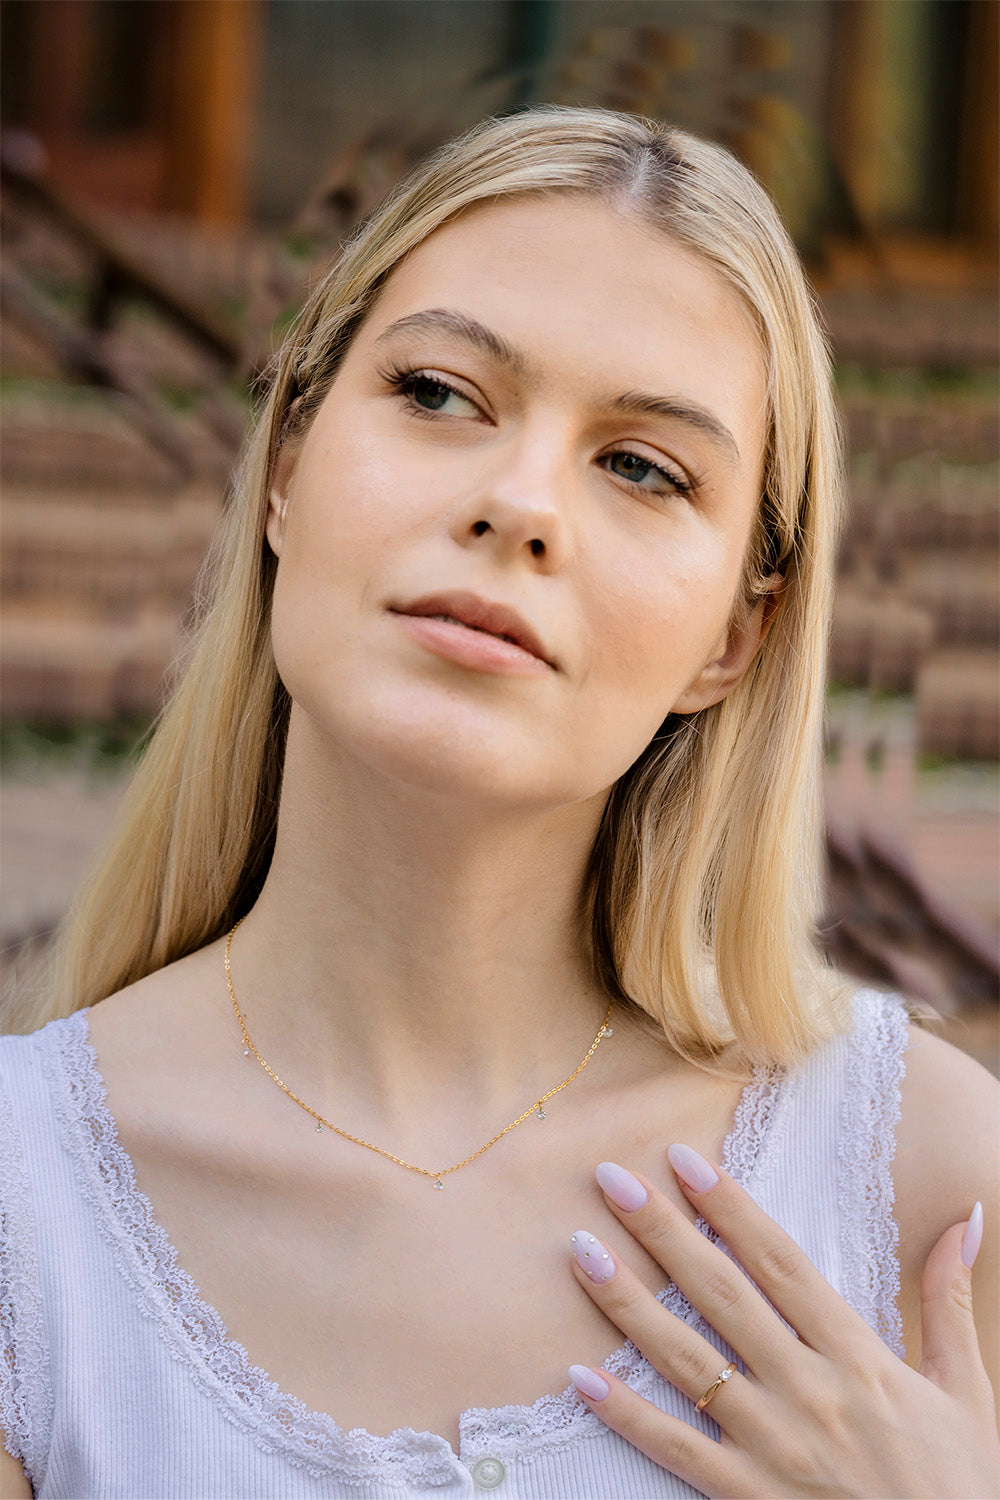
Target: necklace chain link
324, 1124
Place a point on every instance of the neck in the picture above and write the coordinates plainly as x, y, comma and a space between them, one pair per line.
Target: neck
407, 954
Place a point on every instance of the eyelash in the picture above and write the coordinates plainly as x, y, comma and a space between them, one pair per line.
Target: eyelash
403, 380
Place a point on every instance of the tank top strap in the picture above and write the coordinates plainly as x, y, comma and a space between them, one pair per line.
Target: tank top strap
823, 1169
26, 1391
870, 1109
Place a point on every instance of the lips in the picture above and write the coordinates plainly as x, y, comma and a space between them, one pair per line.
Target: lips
478, 614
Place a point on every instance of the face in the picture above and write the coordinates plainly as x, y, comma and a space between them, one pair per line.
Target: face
512, 540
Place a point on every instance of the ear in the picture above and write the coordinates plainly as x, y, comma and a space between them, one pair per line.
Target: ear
733, 653
277, 498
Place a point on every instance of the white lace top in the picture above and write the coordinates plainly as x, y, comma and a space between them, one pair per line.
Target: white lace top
118, 1380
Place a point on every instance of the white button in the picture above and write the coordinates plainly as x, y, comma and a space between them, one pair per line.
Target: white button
488, 1473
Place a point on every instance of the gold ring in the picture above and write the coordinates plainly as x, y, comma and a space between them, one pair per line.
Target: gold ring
719, 1380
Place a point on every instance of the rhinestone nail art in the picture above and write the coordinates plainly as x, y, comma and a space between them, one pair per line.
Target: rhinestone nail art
592, 1257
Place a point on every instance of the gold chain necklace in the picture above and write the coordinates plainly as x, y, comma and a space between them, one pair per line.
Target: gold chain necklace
324, 1124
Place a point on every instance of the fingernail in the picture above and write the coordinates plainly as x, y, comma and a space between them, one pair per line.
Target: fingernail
621, 1187
692, 1169
593, 1258
973, 1237
590, 1384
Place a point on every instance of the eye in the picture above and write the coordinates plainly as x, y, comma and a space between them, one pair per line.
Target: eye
428, 395
642, 474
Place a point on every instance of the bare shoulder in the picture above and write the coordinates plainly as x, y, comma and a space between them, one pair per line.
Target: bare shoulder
947, 1157
12, 1476
947, 1146
167, 1058
169, 1005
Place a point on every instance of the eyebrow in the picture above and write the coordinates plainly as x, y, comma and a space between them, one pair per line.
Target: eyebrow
638, 404
631, 404
467, 330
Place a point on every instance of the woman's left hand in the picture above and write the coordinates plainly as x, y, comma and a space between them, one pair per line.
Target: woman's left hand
831, 1411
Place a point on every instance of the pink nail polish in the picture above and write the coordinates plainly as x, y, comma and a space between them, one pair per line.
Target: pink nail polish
621, 1187
973, 1236
590, 1384
692, 1169
593, 1258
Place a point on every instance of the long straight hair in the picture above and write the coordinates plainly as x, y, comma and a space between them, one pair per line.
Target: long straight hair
704, 880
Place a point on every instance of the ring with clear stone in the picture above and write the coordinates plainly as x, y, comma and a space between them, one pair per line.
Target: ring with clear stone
719, 1380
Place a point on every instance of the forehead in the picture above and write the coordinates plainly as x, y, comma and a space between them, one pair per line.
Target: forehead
588, 293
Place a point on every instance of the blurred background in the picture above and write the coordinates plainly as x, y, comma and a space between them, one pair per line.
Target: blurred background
175, 173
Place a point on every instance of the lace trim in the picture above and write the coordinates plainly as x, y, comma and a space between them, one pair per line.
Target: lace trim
869, 1116
26, 1398
276, 1421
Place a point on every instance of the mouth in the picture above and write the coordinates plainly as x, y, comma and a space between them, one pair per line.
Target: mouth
458, 608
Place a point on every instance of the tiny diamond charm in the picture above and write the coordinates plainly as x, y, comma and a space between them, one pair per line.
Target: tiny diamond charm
319, 1128
438, 1183
540, 1112
608, 1031
246, 1051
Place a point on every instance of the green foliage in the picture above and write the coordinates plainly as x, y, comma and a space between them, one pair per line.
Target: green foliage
924, 383
101, 749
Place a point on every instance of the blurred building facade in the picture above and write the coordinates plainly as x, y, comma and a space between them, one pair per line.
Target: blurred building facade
176, 172
862, 116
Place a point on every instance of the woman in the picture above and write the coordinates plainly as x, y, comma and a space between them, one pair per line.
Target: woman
499, 744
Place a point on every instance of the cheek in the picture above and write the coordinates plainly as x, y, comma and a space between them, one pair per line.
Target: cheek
659, 616
654, 625
343, 513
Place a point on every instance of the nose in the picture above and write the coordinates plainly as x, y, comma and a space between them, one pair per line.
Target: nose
518, 507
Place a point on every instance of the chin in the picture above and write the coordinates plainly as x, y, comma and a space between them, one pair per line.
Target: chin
465, 766
455, 752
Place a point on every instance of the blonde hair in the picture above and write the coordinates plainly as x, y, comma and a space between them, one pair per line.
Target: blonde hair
708, 852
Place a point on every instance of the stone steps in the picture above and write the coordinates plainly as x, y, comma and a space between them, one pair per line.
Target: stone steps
95, 590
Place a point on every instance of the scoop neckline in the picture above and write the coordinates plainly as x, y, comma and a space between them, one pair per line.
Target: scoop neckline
221, 1366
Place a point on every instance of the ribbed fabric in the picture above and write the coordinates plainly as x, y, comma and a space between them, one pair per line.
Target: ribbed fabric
119, 1381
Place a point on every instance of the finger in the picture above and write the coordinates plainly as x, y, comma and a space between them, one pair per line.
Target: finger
706, 1465
671, 1346
708, 1278
780, 1267
950, 1353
